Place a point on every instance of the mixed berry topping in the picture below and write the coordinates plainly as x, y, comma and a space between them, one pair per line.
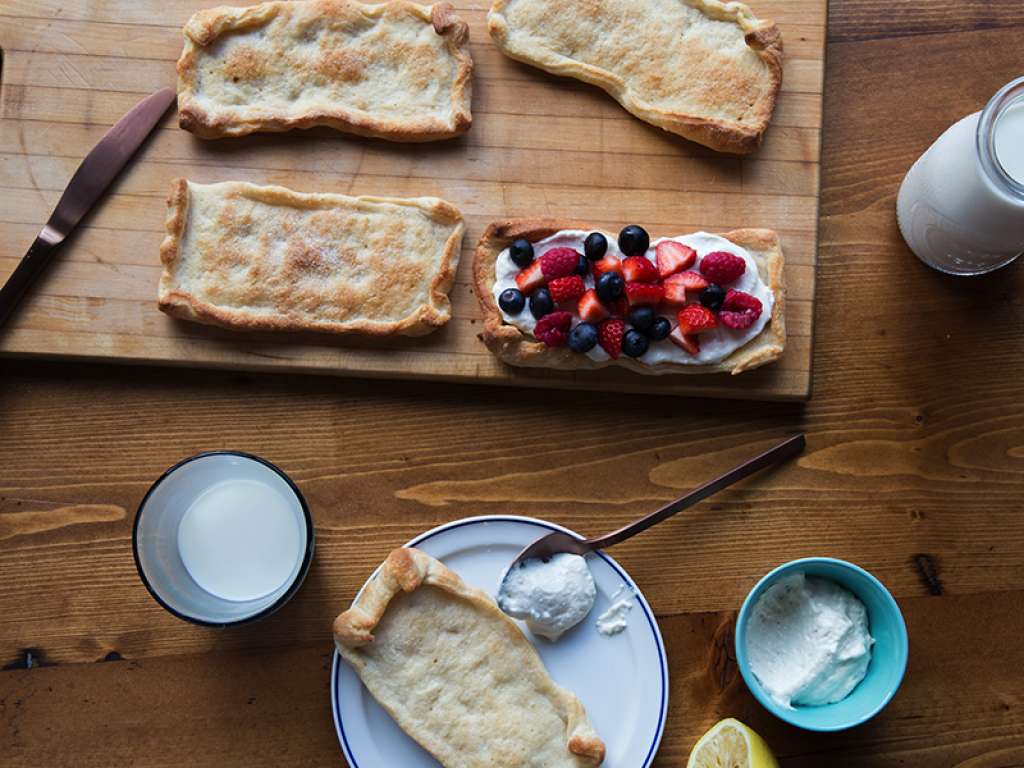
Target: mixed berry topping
722, 267
609, 336
541, 303
553, 329
583, 338
696, 318
673, 257
609, 286
558, 262
595, 246
637, 269
740, 310
634, 343
521, 252
635, 300
712, 297
512, 301
564, 289
634, 240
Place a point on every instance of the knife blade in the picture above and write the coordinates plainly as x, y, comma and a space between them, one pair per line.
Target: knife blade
99, 168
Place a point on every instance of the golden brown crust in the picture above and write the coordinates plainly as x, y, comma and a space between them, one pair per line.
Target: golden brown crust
559, 37
307, 291
352, 93
516, 348
406, 570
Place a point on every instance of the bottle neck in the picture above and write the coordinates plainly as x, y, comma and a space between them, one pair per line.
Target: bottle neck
1010, 95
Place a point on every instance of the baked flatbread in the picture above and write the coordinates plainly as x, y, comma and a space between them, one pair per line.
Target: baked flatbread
397, 70
704, 69
516, 348
457, 674
268, 258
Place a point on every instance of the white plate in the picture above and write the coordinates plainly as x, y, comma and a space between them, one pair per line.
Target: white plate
621, 680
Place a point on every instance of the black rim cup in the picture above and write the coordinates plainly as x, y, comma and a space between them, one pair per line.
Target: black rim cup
307, 557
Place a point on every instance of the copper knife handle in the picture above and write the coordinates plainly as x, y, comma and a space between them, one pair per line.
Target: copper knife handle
29, 268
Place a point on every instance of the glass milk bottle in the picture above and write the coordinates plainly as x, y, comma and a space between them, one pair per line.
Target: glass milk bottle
961, 206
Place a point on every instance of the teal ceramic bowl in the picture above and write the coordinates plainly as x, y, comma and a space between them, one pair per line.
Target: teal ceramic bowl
888, 655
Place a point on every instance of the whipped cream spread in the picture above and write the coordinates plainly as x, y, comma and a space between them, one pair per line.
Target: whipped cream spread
808, 641
715, 345
551, 596
615, 618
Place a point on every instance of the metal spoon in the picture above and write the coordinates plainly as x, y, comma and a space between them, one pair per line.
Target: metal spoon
554, 543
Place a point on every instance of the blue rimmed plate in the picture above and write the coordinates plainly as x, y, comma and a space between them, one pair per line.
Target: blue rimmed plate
621, 680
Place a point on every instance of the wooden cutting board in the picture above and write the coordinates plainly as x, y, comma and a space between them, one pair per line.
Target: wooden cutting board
539, 145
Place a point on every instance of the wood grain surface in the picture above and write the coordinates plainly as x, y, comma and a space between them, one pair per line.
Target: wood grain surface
539, 146
914, 469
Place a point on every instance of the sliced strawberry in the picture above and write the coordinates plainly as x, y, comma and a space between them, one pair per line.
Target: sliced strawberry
559, 262
608, 264
530, 279
609, 336
689, 344
691, 280
566, 288
644, 294
637, 269
553, 328
590, 308
696, 318
673, 257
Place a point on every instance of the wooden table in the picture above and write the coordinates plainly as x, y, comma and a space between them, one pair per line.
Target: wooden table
915, 470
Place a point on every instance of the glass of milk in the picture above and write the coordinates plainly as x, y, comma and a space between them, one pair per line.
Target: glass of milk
961, 206
222, 538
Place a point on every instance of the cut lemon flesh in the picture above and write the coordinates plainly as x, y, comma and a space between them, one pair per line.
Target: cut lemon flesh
731, 744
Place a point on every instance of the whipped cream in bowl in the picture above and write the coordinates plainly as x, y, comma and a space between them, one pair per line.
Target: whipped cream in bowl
715, 345
808, 641
552, 596
821, 643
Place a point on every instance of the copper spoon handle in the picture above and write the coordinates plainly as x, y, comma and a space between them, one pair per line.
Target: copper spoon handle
785, 450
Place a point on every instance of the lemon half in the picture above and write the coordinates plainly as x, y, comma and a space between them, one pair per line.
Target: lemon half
731, 744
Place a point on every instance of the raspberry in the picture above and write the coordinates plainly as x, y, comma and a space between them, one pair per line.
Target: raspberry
696, 318
553, 328
566, 288
740, 310
559, 262
609, 336
722, 268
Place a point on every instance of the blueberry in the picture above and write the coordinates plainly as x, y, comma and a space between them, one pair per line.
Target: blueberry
660, 329
609, 286
641, 318
512, 301
521, 252
595, 246
712, 297
634, 343
634, 240
583, 337
582, 266
541, 303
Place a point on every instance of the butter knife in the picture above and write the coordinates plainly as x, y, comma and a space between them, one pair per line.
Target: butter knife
90, 181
